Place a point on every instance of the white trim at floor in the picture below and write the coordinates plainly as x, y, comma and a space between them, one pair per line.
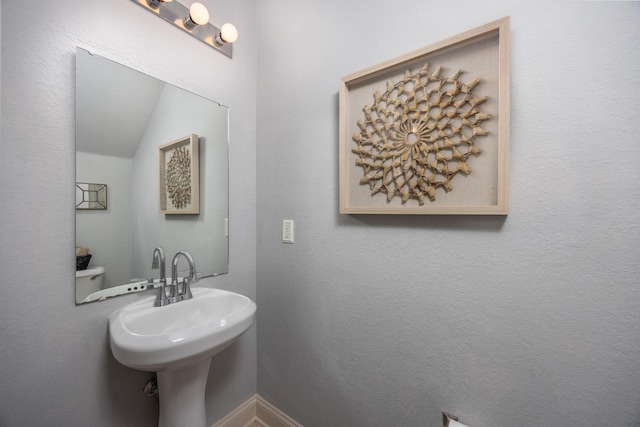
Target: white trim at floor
257, 412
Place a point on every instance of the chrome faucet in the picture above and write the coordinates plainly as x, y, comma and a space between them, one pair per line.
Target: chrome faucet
158, 262
185, 293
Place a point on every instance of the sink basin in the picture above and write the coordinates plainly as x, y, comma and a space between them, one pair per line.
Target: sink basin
152, 338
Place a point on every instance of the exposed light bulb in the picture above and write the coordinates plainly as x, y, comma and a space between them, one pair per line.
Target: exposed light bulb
198, 15
228, 33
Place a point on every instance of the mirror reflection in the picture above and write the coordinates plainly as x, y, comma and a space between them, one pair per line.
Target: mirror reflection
123, 118
91, 196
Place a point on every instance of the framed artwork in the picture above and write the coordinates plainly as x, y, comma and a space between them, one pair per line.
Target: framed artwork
427, 133
179, 176
91, 196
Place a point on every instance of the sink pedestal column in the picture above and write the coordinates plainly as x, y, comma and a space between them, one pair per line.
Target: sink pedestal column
182, 395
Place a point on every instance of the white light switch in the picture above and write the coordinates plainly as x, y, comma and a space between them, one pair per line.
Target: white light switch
287, 231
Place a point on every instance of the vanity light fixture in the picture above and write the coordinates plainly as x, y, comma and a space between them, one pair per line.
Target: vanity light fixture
194, 20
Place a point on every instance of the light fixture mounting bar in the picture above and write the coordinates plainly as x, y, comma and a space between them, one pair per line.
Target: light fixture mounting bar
173, 12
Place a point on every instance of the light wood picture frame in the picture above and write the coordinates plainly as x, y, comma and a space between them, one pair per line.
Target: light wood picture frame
410, 124
179, 176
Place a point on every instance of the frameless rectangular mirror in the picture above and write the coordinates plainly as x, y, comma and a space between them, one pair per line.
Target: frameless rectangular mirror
123, 117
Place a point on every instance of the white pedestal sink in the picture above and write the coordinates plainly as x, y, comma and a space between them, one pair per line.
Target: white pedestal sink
178, 341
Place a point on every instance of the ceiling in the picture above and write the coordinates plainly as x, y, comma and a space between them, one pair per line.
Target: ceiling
101, 128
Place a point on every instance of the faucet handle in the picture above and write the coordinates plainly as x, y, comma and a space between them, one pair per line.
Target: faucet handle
158, 258
186, 288
161, 297
185, 294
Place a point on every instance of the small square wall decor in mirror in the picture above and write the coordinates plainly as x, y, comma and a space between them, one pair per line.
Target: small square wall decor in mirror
91, 196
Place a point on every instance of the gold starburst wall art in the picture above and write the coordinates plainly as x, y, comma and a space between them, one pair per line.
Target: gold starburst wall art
428, 132
419, 134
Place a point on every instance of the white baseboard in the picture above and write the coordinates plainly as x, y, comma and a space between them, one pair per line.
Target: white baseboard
257, 412
242, 416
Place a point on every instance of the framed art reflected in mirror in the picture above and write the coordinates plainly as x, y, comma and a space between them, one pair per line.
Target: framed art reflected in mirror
91, 196
179, 176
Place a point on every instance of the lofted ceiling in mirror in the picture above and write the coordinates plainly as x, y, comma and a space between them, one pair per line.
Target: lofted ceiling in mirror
115, 104
126, 121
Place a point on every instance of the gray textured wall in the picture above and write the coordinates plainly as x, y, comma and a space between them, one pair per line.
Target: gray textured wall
530, 320
526, 321
56, 367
